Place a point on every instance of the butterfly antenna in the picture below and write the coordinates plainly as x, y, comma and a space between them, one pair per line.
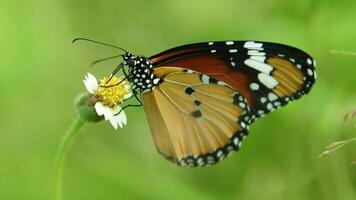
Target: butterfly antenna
102, 43
104, 59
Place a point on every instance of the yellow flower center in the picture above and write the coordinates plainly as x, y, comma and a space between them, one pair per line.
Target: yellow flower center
111, 93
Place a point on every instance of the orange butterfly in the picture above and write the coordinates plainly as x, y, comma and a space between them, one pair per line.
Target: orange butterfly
201, 98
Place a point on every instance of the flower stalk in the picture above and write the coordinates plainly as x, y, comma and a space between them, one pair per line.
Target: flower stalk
100, 102
67, 139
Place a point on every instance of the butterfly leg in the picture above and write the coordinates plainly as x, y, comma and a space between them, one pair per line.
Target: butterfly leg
124, 72
115, 72
132, 105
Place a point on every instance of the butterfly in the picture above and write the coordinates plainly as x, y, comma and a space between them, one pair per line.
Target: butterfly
200, 99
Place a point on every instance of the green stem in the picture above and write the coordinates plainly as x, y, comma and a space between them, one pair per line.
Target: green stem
60, 157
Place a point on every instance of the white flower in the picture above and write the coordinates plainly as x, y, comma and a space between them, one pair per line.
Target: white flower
107, 99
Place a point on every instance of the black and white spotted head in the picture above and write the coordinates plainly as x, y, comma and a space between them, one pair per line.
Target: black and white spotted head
140, 72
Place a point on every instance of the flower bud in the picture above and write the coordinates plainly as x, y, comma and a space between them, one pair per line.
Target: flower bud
85, 107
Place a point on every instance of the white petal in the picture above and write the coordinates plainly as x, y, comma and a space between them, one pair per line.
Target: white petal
104, 110
108, 113
123, 117
99, 107
91, 84
94, 83
116, 109
119, 119
113, 123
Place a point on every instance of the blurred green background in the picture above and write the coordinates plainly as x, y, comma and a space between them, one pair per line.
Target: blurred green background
41, 73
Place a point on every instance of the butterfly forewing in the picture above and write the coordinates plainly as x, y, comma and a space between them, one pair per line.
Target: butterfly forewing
267, 75
193, 122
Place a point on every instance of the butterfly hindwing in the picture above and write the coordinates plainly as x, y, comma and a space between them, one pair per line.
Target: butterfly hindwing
193, 122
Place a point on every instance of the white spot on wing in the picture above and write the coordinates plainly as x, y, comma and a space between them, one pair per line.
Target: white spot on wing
213, 51
263, 99
280, 55
309, 61
229, 43
272, 96
236, 140
262, 67
255, 53
205, 79
242, 105
258, 58
252, 44
190, 71
254, 86
221, 83
219, 153
310, 72
267, 80
155, 81
232, 50
210, 43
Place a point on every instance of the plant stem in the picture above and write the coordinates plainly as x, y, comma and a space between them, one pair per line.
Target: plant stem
61, 154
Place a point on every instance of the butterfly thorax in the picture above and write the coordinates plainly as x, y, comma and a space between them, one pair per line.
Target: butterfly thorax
141, 72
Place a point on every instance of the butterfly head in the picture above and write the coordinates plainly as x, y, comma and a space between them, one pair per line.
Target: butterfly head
137, 62
140, 72
129, 59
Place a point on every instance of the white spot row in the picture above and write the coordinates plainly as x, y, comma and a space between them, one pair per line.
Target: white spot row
252, 44
262, 67
258, 58
255, 53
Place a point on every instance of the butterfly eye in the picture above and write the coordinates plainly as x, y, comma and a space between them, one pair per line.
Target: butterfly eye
129, 62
